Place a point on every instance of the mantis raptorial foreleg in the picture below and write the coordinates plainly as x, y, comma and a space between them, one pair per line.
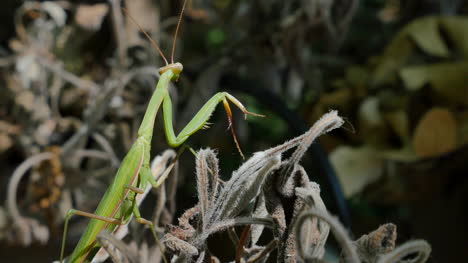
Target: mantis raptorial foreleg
201, 118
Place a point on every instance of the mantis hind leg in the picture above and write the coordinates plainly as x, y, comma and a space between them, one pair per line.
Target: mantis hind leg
201, 118
72, 212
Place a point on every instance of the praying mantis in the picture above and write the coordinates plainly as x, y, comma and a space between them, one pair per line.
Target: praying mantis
118, 203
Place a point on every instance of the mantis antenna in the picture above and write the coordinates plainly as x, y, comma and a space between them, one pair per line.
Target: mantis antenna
177, 31
146, 34
152, 41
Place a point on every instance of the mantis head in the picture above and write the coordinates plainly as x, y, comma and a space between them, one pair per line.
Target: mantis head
176, 68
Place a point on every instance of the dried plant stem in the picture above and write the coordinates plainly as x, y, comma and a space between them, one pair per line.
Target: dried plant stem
240, 221
147, 70
158, 166
242, 241
421, 247
80, 153
97, 109
326, 123
272, 245
233, 235
201, 257
67, 76
338, 230
106, 146
346, 20
105, 245
118, 26
118, 244
18, 174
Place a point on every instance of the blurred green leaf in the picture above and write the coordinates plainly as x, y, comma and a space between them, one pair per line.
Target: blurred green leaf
425, 34
457, 30
447, 80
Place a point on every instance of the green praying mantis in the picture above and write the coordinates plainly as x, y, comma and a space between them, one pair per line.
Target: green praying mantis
118, 203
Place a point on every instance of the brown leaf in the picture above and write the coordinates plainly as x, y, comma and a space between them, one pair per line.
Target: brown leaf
435, 134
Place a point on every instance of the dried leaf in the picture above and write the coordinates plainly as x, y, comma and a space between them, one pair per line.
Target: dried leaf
380, 241
176, 244
242, 188
435, 134
207, 163
260, 211
315, 232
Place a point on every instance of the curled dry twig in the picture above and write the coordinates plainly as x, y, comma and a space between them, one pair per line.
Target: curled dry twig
337, 228
420, 247
28, 228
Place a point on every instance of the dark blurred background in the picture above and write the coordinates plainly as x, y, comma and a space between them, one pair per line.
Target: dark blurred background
72, 83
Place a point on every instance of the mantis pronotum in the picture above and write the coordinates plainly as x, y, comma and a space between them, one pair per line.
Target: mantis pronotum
118, 203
